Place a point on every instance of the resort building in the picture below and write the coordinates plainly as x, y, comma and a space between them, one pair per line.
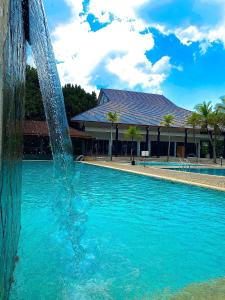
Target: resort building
145, 111
36, 140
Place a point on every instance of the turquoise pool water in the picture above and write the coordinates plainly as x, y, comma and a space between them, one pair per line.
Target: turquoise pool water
160, 163
218, 172
142, 237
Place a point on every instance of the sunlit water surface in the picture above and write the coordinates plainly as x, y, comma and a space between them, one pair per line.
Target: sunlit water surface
209, 171
143, 237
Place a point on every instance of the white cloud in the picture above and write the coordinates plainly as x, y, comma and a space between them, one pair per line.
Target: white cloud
118, 48
189, 35
123, 9
138, 70
135, 72
76, 6
204, 35
163, 65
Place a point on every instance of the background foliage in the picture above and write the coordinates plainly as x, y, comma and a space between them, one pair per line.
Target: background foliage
77, 100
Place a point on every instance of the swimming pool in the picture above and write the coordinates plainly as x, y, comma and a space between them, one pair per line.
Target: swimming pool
209, 171
161, 163
142, 237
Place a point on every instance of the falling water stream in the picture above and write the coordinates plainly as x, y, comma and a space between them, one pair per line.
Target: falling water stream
69, 209
50, 85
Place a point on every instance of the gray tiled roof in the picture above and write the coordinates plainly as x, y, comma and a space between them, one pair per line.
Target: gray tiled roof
134, 108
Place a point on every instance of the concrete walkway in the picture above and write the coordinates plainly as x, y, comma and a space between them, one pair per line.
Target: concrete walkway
202, 180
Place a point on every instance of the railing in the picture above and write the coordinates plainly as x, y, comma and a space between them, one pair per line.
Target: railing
184, 167
80, 158
184, 164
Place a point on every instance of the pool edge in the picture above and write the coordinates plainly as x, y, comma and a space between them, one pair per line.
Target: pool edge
162, 177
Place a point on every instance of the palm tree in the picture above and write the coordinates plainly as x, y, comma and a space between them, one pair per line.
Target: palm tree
167, 122
194, 121
221, 106
133, 132
216, 122
204, 109
211, 121
113, 118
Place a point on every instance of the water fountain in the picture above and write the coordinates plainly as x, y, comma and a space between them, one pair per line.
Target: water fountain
21, 20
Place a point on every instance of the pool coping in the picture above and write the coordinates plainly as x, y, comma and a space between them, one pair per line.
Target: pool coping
169, 175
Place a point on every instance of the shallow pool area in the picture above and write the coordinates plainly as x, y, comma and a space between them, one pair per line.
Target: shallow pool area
141, 237
209, 171
166, 163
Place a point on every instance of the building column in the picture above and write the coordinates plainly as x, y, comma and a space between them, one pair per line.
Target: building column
92, 147
41, 145
210, 146
109, 148
83, 147
175, 149
148, 142
147, 139
185, 143
149, 145
83, 127
138, 148
158, 143
223, 144
199, 149
116, 141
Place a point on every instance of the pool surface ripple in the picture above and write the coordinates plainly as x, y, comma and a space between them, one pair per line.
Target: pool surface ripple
143, 237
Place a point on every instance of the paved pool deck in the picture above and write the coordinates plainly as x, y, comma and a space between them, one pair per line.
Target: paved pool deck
196, 179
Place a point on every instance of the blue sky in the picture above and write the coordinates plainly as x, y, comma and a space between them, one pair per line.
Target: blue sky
171, 47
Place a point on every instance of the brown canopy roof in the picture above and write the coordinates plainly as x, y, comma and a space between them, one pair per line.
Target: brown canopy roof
40, 128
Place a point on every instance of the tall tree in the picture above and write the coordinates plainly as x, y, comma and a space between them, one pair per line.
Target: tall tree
77, 100
112, 118
194, 121
221, 106
34, 109
133, 132
204, 109
167, 122
211, 121
216, 123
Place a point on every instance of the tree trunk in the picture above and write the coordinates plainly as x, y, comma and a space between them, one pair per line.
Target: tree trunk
214, 149
111, 142
196, 146
213, 144
131, 151
168, 153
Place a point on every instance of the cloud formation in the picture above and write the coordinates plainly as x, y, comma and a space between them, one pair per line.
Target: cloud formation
116, 48
204, 34
126, 9
119, 47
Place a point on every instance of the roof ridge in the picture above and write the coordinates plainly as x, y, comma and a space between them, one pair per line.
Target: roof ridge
134, 107
136, 92
145, 93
